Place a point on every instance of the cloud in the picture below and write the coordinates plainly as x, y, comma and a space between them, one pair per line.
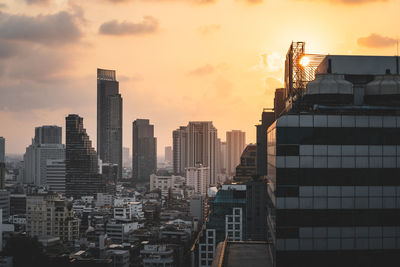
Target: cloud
253, 2
59, 28
2, 5
40, 2
197, 2
209, 29
113, 27
349, 2
8, 49
376, 41
201, 71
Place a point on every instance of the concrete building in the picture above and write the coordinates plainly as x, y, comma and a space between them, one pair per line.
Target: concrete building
206, 248
48, 215
235, 144
126, 158
166, 183
5, 204
55, 175
333, 164
157, 255
82, 169
119, 231
201, 147
168, 154
197, 208
46, 145
144, 151
104, 200
179, 139
129, 211
109, 119
17, 204
198, 177
120, 258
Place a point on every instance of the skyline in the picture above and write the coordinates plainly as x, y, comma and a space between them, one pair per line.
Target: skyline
202, 71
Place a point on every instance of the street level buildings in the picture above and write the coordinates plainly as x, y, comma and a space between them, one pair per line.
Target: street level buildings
109, 119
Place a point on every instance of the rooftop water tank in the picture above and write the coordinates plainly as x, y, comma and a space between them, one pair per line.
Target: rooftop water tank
329, 88
383, 90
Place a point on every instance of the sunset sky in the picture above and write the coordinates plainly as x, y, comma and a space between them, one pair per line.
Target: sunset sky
176, 60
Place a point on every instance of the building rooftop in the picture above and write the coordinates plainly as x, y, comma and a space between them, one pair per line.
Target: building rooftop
239, 254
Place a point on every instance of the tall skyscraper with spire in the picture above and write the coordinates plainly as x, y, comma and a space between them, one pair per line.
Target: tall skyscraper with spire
82, 165
144, 150
109, 119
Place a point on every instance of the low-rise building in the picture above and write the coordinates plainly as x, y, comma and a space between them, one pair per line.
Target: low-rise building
157, 255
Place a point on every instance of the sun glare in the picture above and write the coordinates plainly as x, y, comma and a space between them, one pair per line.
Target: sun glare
304, 61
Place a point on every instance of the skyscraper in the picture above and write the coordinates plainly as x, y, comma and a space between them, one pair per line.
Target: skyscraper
126, 157
201, 146
267, 118
2, 149
144, 150
2, 162
82, 169
48, 134
45, 145
235, 144
168, 154
179, 150
109, 118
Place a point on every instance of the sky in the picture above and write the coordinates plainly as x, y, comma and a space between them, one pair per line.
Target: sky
176, 60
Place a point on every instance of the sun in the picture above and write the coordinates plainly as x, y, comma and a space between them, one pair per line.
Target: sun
304, 61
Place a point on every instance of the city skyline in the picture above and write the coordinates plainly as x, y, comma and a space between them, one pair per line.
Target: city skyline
234, 74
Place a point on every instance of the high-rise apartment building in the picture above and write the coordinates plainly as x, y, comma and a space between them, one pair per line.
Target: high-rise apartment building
333, 164
235, 144
126, 158
246, 170
168, 154
198, 177
109, 118
201, 146
2, 149
82, 165
144, 150
179, 150
194, 144
46, 145
48, 215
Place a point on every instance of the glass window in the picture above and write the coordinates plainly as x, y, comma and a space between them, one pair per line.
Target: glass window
334, 191
347, 203
333, 203
361, 203
347, 191
305, 232
306, 203
375, 203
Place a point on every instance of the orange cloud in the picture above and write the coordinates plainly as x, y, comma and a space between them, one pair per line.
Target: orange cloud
113, 27
376, 41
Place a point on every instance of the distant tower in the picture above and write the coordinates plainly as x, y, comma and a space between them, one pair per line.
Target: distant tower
201, 146
235, 144
179, 150
144, 150
109, 119
2, 149
82, 169
168, 154
46, 145
2, 162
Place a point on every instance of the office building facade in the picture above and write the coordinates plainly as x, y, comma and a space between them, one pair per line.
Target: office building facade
109, 119
144, 151
2, 150
179, 139
333, 167
55, 175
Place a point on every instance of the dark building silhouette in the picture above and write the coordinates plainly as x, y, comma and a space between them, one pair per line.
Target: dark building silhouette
279, 101
267, 118
256, 207
179, 139
48, 134
333, 163
246, 170
109, 119
144, 151
82, 169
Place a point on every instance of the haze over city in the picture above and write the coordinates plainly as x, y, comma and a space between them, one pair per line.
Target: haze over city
176, 61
